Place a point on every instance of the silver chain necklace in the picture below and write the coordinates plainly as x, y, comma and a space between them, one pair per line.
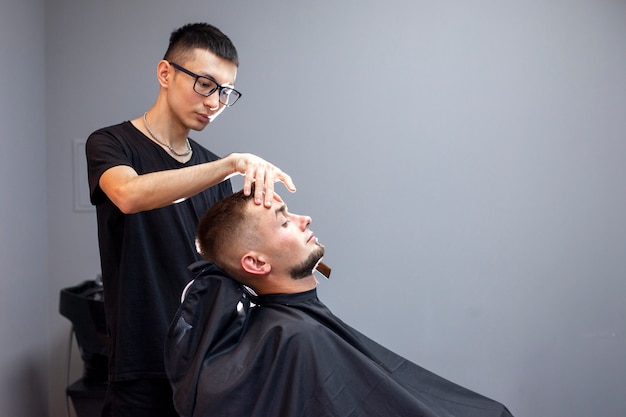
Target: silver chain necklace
172, 150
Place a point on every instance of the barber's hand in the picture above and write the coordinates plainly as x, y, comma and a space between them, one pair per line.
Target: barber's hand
263, 174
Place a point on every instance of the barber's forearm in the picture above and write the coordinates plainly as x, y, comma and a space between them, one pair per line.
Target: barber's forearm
133, 193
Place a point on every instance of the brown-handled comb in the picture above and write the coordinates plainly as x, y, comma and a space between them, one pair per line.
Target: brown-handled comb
323, 269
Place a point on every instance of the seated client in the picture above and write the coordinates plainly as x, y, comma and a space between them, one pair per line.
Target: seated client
251, 338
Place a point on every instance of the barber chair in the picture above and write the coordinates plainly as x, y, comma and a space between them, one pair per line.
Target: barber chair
83, 305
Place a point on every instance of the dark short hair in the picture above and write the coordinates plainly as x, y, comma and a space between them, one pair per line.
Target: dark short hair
222, 226
185, 40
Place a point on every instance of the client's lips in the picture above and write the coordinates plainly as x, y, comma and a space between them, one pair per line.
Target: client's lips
310, 237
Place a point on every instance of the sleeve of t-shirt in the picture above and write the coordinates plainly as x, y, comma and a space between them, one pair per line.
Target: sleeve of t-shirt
103, 150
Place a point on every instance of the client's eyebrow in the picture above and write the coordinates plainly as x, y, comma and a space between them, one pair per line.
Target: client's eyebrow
281, 210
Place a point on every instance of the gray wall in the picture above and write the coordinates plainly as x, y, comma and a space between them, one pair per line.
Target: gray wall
462, 163
23, 219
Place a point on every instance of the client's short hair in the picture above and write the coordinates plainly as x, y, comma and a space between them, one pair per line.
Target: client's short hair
222, 228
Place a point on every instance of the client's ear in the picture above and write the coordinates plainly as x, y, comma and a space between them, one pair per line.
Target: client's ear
253, 263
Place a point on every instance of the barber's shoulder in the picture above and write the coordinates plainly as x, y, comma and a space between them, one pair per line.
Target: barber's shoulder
118, 128
112, 140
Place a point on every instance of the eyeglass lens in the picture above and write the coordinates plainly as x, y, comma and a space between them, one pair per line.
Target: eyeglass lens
207, 86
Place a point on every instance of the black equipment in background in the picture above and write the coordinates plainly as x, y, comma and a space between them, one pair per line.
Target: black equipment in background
83, 305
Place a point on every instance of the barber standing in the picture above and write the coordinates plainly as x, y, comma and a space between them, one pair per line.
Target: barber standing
150, 184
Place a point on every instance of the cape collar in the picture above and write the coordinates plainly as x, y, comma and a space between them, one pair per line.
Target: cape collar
287, 299
204, 267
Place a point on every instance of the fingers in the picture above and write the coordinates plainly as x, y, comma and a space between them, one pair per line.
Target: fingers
286, 179
258, 176
264, 186
263, 192
264, 175
247, 182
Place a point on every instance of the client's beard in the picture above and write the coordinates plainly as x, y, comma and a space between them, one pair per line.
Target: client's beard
305, 269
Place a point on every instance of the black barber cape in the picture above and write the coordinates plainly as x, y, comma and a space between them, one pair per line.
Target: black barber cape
289, 356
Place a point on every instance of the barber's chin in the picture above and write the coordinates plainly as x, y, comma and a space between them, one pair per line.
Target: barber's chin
198, 126
213, 116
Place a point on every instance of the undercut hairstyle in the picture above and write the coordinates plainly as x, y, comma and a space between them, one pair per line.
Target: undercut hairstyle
222, 228
185, 40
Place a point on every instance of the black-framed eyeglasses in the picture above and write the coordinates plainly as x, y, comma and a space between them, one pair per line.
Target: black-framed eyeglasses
205, 86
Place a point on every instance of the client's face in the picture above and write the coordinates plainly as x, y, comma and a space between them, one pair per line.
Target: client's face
286, 239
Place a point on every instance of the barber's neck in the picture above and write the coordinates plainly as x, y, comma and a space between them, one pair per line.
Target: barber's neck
164, 123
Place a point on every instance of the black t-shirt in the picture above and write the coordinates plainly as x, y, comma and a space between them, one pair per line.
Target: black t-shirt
144, 256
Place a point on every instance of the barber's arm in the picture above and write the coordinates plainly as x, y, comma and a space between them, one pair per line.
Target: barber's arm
133, 193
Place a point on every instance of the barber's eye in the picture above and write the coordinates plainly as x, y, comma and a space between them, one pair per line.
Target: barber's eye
286, 223
205, 83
